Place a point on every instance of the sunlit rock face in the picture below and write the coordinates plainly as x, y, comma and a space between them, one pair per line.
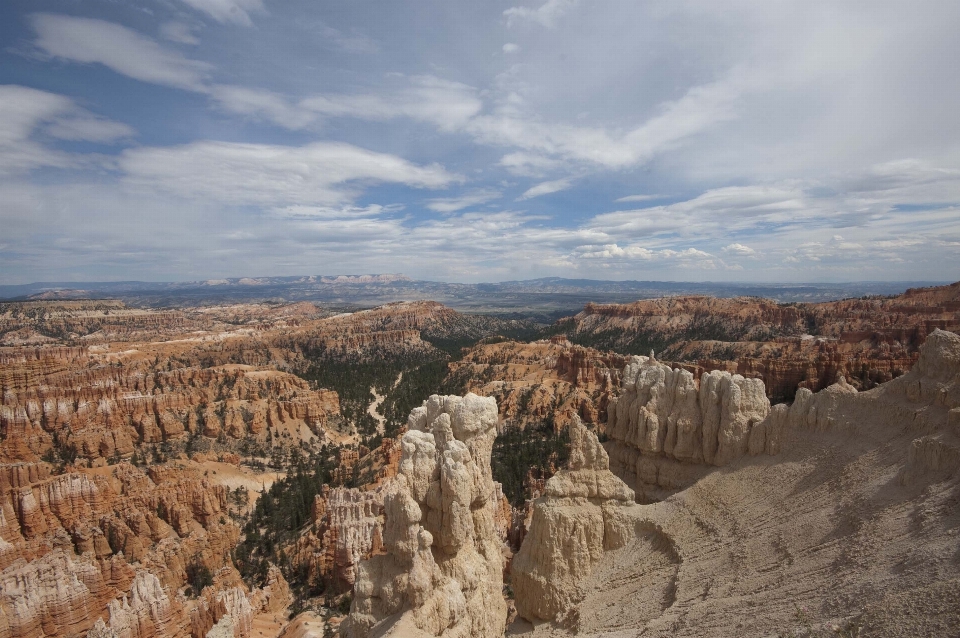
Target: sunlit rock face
441, 573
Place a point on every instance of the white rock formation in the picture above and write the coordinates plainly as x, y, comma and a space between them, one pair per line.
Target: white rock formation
666, 428
148, 610
442, 571
585, 511
665, 411
223, 629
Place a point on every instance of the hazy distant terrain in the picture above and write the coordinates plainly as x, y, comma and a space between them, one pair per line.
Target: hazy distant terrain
541, 299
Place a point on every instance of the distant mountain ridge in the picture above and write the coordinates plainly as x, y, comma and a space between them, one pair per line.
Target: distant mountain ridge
544, 299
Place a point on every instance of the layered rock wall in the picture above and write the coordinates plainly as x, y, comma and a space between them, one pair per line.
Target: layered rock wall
111, 544
789, 346
104, 410
548, 381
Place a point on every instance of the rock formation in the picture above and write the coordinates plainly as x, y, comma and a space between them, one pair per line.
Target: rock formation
788, 346
544, 381
849, 527
441, 574
347, 528
102, 411
585, 511
666, 427
114, 544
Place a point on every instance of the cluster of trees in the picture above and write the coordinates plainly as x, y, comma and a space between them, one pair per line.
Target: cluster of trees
278, 517
518, 451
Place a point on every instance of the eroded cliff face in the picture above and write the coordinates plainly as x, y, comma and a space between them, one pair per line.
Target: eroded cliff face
850, 518
347, 528
90, 389
105, 407
544, 381
666, 428
789, 346
441, 573
112, 547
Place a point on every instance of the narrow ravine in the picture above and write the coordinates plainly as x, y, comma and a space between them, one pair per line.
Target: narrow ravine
374, 408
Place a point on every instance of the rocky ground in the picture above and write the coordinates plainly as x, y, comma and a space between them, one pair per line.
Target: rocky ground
136, 442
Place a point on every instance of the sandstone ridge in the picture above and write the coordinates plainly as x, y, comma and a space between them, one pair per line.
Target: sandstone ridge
666, 426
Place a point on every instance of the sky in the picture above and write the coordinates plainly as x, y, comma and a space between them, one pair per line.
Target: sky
172, 140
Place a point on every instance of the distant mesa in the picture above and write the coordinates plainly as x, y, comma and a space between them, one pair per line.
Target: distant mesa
364, 279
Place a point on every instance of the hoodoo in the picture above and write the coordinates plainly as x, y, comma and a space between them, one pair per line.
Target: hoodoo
442, 573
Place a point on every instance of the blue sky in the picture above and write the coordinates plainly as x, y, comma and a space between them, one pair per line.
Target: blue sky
735, 141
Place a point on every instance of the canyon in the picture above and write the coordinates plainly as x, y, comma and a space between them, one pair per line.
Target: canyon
790, 346
146, 455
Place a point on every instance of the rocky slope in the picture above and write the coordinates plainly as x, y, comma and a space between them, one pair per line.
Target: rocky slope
104, 406
113, 550
585, 511
846, 524
789, 346
89, 542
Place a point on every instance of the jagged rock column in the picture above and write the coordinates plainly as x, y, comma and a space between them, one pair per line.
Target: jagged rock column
585, 511
442, 571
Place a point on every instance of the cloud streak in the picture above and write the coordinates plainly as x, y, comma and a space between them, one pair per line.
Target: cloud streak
325, 173
89, 41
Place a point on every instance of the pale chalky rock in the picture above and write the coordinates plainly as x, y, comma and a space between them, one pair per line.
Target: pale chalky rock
585, 511
442, 573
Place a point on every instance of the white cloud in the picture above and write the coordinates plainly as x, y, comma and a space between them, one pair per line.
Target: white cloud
546, 14
322, 173
24, 112
262, 104
698, 110
528, 164
178, 32
510, 47
425, 98
353, 42
739, 250
300, 211
87, 128
453, 204
634, 252
97, 42
637, 198
546, 188
233, 11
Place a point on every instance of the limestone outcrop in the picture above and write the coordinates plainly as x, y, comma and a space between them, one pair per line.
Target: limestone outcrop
112, 544
585, 511
667, 428
853, 521
101, 410
347, 528
441, 573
